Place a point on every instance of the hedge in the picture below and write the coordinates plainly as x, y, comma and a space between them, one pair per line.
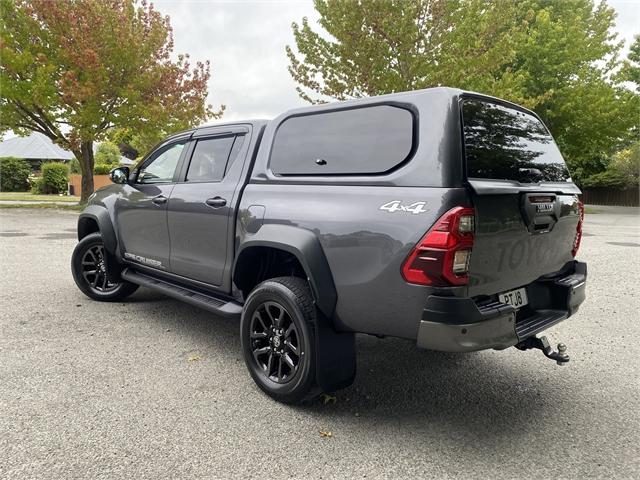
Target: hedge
102, 168
14, 174
55, 178
98, 169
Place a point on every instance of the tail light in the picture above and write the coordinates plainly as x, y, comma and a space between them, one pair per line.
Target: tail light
576, 241
441, 257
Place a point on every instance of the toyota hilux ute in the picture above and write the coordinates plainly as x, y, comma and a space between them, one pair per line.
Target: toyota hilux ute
441, 216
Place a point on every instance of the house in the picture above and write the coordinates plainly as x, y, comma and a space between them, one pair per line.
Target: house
34, 148
37, 148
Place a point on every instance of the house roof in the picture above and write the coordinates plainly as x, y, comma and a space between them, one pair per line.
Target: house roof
35, 146
40, 147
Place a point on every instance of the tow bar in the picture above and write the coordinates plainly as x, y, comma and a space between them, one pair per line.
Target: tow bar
542, 343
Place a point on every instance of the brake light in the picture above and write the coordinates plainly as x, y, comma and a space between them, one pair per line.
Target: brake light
576, 241
441, 257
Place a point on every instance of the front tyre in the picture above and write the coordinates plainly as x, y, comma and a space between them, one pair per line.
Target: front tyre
89, 269
277, 333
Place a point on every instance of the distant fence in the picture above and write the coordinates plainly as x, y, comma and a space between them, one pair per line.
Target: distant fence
611, 196
75, 183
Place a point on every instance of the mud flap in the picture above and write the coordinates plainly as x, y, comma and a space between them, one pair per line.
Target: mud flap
335, 357
114, 268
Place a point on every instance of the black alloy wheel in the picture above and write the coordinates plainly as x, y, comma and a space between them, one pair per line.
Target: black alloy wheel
96, 273
275, 343
277, 334
94, 270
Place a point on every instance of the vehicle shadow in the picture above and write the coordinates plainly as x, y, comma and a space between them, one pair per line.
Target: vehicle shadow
487, 395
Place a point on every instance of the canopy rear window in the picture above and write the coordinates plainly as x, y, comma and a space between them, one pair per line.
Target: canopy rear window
509, 144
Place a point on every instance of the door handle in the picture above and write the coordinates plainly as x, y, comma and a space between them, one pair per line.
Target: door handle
159, 200
216, 202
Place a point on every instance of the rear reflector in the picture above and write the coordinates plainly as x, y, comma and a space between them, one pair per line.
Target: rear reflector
461, 262
578, 238
441, 257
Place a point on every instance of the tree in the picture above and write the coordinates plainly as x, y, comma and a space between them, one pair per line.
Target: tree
75, 69
136, 140
107, 153
630, 71
555, 57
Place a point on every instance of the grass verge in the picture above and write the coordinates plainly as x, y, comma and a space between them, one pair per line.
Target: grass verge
30, 197
57, 206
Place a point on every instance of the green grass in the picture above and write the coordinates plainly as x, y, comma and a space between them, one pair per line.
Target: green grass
26, 196
57, 206
591, 210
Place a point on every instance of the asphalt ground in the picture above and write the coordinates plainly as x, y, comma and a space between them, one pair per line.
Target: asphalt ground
154, 388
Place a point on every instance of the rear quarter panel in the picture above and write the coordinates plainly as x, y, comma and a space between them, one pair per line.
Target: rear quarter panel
364, 246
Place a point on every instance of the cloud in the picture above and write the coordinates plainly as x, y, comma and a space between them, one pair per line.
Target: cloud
627, 20
245, 41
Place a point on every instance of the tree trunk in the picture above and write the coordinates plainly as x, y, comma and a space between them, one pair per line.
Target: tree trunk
86, 161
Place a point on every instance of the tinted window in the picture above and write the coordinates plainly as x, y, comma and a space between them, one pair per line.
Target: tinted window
505, 143
237, 144
209, 159
356, 141
161, 168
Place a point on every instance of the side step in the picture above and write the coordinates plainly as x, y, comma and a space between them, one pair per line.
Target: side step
219, 306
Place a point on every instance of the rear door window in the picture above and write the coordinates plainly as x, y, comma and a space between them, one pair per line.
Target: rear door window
363, 140
509, 144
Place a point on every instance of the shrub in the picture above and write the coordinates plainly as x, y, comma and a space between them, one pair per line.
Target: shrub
74, 166
103, 168
14, 174
108, 154
623, 171
98, 169
55, 177
37, 186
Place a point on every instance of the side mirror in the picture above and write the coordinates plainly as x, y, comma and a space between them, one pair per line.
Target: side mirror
119, 175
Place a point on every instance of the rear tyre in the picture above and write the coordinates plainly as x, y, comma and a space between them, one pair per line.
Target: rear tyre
277, 333
89, 269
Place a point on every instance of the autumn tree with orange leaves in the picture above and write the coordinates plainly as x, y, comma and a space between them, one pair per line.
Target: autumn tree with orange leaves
76, 69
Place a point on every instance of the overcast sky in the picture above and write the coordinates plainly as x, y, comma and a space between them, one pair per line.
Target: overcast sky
245, 41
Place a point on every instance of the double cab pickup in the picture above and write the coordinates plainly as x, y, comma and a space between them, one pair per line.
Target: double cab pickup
441, 216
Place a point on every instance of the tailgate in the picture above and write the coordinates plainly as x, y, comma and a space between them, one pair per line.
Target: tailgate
527, 208
519, 238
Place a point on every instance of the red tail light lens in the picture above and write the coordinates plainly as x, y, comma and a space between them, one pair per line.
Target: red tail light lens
441, 257
576, 241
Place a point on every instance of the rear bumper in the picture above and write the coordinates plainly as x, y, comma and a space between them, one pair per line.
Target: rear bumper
455, 324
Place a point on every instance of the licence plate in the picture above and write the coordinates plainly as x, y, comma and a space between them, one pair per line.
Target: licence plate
516, 298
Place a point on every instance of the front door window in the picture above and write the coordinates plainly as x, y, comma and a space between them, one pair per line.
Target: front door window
162, 167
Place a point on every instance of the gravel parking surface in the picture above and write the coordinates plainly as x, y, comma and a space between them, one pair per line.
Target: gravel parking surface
154, 388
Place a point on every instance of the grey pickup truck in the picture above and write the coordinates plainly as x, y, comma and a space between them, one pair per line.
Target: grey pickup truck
440, 216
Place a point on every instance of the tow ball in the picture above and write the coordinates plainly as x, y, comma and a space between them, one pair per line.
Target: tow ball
542, 343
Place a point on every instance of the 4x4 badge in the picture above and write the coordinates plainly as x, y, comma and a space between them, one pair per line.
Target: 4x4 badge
396, 206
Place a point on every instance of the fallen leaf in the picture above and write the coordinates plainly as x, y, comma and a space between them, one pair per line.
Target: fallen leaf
326, 398
194, 358
326, 433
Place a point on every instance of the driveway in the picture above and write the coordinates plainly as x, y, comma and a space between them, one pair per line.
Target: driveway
154, 388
